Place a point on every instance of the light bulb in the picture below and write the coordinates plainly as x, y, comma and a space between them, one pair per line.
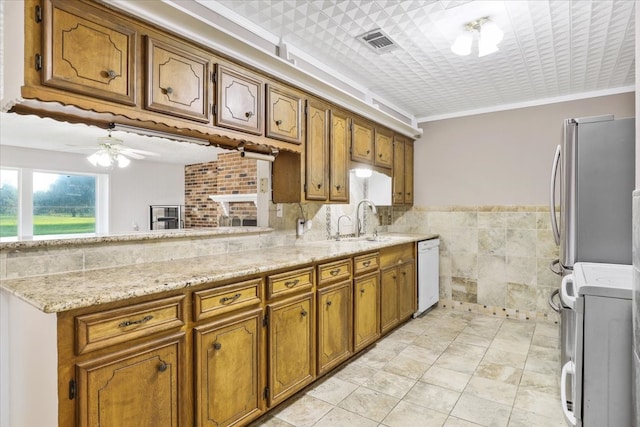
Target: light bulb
123, 162
462, 45
486, 48
491, 33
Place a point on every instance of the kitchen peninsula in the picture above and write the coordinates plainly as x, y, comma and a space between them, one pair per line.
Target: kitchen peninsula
250, 323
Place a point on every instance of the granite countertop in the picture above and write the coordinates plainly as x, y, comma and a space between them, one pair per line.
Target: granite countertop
68, 291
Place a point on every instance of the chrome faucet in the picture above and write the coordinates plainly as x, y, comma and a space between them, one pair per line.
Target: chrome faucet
339, 218
358, 222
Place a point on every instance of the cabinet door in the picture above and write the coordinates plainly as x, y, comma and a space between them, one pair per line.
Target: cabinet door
408, 173
317, 152
89, 52
384, 149
361, 142
388, 298
239, 100
334, 325
138, 387
339, 157
366, 310
398, 171
406, 290
177, 80
227, 370
284, 114
291, 346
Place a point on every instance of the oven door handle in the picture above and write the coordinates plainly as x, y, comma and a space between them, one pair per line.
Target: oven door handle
568, 300
569, 368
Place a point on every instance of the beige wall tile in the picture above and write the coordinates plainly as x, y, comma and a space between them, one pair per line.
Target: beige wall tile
521, 242
492, 241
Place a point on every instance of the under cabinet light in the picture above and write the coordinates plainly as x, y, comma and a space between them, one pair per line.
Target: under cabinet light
158, 134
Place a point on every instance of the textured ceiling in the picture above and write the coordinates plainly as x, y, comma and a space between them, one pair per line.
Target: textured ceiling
550, 48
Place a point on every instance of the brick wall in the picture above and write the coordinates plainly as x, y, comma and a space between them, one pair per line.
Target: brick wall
230, 174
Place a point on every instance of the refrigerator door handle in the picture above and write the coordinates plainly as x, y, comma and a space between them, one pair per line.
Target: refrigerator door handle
552, 196
567, 299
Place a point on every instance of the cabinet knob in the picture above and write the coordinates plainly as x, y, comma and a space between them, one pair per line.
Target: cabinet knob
217, 345
338, 187
319, 186
335, 271
328, 303
362, 290
367, 263
278, 122
169, 90
368, 151
380, 155
248, 114
303, 313
162, 366
112, 74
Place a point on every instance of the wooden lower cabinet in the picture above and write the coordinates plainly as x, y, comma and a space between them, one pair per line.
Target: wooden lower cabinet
388, 299
407, 291
334, 325
140, 386
366, 310
291, 346
227, 370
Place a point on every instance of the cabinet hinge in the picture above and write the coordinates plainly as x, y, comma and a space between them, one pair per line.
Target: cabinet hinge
72, 389
306, 109
38, 14
265, 394
265, 320
305, 187
214, 109
38, 62
213, 77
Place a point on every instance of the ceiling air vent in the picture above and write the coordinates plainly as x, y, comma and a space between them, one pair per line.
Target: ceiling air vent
378, 41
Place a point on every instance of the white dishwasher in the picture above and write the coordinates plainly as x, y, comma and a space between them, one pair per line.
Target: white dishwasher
428, 274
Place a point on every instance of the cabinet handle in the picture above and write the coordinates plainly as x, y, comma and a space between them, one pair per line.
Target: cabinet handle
248, 114
226, 300
303, 313
367, 263
319, 186
328, 303
291, 283
362, 290
169, 90
162, 366
368, 151
217, 345
408, 194
112, 74
335, 271
278, 122
338, 187
380, 155
135, 322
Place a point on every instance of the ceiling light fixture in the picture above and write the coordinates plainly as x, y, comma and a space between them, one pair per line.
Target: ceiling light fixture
108, 155
488, 33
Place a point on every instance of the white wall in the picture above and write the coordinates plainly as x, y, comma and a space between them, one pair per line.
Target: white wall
131, 190
501, 158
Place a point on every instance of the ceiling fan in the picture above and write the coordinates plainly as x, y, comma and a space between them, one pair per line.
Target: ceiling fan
111, 151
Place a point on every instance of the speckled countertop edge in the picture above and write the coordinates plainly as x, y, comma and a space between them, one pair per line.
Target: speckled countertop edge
62, 292
184, 233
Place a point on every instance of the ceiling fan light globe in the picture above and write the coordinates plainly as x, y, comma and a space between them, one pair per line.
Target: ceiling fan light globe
485, 48
123, 162
462, 45
491, 33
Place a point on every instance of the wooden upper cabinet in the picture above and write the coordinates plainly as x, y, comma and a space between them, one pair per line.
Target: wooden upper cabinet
239, 100
408, 172
284, 115
361, 142
177, 80
383, 149
398, 171
317, 151
89, 51
340, 140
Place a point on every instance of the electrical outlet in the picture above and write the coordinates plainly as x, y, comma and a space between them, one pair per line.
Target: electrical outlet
279, 210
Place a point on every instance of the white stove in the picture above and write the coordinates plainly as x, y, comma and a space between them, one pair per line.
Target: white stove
599, 371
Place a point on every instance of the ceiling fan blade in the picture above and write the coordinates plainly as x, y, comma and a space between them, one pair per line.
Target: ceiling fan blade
142, 152
128, 153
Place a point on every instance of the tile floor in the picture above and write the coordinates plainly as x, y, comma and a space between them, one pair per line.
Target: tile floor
447, 368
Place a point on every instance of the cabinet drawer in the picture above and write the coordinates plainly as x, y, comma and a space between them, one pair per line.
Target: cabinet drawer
396, 255
99, 330
366, 263
224, 299
289, 282
334, 271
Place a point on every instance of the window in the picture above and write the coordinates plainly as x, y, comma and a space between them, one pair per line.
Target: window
44, 203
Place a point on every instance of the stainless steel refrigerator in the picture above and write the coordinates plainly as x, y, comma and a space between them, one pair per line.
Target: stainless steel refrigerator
596, 167
594, 171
